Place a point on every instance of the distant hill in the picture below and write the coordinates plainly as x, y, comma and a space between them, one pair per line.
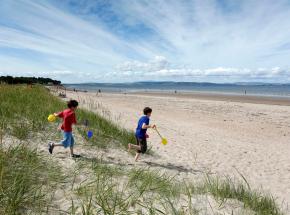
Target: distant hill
28, 80
176, 83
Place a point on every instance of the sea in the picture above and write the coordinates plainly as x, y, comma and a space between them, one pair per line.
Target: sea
255, 89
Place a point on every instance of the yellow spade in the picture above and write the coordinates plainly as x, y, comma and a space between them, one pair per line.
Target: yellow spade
163, 140
51, 118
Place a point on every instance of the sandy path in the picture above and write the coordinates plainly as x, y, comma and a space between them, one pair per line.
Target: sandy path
219, 137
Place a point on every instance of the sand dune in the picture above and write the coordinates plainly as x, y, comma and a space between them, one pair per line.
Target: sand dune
209, 136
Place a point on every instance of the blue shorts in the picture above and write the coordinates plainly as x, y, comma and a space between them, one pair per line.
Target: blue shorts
68, 139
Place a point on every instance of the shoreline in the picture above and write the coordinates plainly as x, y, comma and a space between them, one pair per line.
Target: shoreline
203, 95
251, 99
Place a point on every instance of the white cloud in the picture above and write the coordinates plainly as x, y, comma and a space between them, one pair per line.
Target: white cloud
158, 63
136, 69
62, 72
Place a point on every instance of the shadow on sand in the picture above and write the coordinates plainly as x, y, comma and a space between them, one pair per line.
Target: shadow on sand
177, 168
168, 166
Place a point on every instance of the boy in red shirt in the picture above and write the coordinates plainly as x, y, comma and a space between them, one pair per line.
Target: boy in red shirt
69, 118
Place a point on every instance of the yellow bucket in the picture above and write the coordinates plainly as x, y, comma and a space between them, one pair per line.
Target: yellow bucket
51, 118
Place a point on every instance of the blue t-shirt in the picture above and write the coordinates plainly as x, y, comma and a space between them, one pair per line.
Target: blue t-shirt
140, 133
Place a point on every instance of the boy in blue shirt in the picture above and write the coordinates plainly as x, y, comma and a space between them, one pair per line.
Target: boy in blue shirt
140, 133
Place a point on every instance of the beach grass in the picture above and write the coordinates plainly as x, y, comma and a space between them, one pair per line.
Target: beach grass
123, 191
224, 189
24, 111
25, 179
146, 180
112, 189
118, 190
105, 132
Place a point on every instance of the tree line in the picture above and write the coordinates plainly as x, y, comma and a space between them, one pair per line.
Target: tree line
28, 80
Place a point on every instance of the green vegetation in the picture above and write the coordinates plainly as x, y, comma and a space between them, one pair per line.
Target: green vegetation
27, 179
227, 189
106, 133
122, 191
127, 191
146, 180
27, 80
24, 111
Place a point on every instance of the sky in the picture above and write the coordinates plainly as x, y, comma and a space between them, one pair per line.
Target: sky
79, 41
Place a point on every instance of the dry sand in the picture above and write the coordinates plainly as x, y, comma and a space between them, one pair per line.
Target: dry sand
206, 135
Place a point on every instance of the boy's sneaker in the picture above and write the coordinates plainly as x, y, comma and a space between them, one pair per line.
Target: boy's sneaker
75, 156
50, 147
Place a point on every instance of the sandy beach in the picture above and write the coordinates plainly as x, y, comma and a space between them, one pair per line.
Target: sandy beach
208, 136
79, 79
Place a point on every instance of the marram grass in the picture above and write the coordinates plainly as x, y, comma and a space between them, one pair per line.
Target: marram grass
25, 179
24, 111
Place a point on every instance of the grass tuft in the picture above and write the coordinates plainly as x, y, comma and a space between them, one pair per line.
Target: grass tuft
224, 189
106, 133
25, 179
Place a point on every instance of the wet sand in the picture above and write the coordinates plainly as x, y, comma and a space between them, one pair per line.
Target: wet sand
253, 99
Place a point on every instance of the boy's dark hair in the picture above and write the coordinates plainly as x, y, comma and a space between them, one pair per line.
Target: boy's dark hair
147, 110
72, 103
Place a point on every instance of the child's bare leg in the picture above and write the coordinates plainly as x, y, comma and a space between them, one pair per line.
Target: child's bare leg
71, 150
137, 157
132, 146
52, 145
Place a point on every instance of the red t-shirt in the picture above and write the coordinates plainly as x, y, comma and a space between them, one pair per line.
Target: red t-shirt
69, 118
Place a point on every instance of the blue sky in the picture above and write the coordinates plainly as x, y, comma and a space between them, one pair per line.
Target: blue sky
136, 40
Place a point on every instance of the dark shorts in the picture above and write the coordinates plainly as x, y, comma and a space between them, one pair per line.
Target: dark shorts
143, 144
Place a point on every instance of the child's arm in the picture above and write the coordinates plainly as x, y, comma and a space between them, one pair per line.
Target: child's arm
144, 126
60, 114
74, 120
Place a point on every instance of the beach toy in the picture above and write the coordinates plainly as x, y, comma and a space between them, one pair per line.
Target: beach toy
163, 140
51, 118
90, 134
